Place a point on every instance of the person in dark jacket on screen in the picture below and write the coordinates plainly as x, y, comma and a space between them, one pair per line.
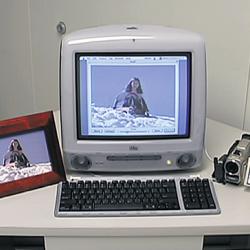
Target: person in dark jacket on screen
131, 99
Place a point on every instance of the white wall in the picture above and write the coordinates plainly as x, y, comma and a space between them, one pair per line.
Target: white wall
247, 108
224, 24
16, 93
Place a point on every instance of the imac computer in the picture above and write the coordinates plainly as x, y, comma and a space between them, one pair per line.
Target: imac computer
133, 99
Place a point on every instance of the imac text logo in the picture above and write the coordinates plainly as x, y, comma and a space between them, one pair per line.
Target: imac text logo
133, 148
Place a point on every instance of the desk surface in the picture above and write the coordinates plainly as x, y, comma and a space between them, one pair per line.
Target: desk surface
32, 213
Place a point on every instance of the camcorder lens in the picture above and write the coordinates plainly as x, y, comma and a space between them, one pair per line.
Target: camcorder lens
232, 167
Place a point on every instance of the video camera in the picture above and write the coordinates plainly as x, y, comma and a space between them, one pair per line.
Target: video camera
231, 167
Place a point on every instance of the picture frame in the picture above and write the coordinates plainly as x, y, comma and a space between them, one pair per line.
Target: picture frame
30, 152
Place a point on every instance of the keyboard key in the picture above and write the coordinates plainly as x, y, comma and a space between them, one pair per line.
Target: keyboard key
121, 207
86, 208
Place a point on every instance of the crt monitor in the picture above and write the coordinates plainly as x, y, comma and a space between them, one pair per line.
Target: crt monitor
133, 98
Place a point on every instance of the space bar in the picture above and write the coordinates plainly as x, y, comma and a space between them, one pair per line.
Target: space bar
118, 207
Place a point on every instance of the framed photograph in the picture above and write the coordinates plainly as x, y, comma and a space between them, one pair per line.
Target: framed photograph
30, 155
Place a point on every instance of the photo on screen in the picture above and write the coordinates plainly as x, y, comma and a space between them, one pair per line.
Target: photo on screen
152, 106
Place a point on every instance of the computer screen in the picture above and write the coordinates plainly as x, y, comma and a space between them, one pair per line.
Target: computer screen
133, 99
133, 95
